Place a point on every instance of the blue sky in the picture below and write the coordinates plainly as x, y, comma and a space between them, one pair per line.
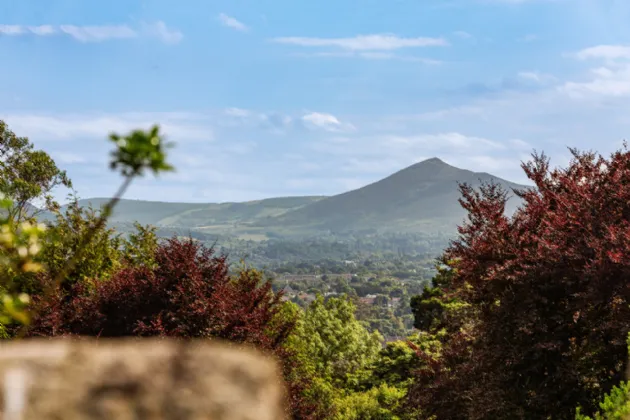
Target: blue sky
274, 98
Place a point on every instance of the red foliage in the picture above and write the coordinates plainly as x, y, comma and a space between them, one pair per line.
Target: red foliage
188, 295
551, 287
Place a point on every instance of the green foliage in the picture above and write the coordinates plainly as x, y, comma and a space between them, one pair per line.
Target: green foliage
99, 258
27, 176
378, 403
139, 249
434, 310
615, 405
345, 362
19, 249
140, 151
77, 247
135, 154
340, 348
395, 366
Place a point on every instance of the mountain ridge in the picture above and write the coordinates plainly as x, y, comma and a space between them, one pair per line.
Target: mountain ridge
422, 197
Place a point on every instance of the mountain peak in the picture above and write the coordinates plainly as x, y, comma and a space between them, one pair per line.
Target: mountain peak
433, 160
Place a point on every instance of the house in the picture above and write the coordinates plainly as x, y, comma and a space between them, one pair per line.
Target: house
307, 297
288, 293
367, 300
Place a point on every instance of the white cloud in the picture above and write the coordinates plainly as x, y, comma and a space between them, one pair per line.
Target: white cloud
231, 22
611, 80
160, 31
42, 30
273, 121
326, 122
97, 33
12, 30
378, 42
178, 127
609, 52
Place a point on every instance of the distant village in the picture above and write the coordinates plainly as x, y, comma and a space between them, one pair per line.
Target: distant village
306, 298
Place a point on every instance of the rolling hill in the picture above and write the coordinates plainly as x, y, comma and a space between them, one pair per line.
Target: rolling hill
198, 215
422, 198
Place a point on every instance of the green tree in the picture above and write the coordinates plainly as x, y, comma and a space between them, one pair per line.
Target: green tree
615, 405
99, 257
140, 246
339, 346
27, 177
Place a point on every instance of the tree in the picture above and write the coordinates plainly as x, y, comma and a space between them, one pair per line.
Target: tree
99, 259
186, 293
550, 292
141, 245
27, 176
614, 406
340, 348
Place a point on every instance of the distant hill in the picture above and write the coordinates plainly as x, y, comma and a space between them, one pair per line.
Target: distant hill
198, 215
422, 198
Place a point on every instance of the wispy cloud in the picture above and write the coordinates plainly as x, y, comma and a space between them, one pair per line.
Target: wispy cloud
611, 80
271, 121
96, 33
326, 122
233, 23
608, 52
47, 128
368, 55
160, 31
382, 42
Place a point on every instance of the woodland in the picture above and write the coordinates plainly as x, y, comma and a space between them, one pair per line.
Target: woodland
525, 316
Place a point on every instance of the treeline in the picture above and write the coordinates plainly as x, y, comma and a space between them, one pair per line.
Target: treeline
527, 316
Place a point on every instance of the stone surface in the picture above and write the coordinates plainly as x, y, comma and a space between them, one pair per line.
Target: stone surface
136, 379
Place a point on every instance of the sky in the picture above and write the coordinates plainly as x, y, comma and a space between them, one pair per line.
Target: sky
268, 98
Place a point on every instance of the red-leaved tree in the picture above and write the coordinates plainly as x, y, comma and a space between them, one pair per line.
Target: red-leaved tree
551, 292
186, 293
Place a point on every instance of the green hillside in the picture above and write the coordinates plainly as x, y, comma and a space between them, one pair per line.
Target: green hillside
198, 215
422, 198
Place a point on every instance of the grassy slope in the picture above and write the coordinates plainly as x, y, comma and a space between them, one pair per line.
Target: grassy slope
196, 215
421, 198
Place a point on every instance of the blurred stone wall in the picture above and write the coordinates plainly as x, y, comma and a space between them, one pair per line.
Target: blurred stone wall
141, 379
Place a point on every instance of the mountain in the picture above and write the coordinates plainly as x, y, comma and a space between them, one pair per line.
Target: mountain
198, 215
422, 198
